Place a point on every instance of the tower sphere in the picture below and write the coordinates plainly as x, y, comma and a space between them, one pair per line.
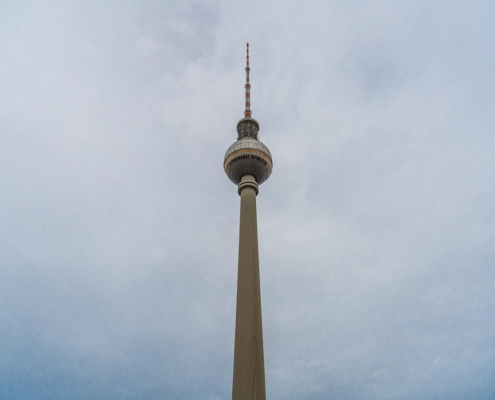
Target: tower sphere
248, 156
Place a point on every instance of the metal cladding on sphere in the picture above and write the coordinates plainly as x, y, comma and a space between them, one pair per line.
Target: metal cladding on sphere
248, 156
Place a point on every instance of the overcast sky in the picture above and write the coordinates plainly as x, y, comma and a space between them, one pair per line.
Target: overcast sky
119, 227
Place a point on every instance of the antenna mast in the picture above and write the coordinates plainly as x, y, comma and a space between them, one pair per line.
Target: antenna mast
247, 111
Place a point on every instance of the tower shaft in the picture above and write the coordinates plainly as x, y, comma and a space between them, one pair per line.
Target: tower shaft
249, 368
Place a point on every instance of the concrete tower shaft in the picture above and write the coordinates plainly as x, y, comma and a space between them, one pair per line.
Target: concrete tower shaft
249, 364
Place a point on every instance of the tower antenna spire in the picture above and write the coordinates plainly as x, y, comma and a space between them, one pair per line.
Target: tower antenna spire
247, 111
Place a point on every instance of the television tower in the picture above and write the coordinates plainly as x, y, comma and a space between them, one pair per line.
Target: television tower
248, 163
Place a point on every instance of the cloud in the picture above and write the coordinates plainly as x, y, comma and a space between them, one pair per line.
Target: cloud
119, 228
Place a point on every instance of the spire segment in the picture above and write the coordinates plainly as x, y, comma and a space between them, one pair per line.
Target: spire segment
247, 111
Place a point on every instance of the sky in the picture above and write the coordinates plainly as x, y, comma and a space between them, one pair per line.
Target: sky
119, 227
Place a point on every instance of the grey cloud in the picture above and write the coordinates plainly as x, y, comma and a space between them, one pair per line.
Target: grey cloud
119, 228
